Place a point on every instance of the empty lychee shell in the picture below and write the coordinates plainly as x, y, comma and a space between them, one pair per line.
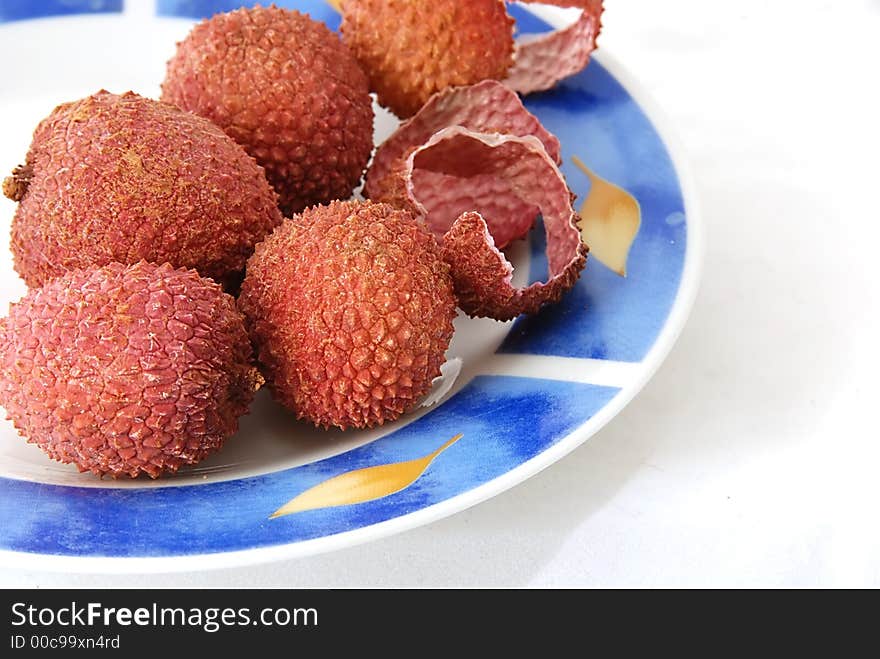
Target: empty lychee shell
479, 182
481, 273
487, 107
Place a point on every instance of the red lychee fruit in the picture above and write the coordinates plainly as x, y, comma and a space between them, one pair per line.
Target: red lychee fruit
122, 178
123, 370
286, 88
350, 307
411, 49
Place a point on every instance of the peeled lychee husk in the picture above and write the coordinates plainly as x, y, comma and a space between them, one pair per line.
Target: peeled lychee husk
411, 49
350, 306
113, 178
124, 370
286, 88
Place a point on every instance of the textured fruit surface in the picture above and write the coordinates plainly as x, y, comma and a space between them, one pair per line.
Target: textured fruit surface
411, 49
287, 89
489, 107
478, 169
123, 370
521, 165
543, 61
122, 178
351, 308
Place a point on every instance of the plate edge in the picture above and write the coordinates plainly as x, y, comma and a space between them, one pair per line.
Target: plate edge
672, 328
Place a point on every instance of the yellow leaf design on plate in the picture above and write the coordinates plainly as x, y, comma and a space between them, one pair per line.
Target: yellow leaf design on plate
362, 485
610, 220
336, 4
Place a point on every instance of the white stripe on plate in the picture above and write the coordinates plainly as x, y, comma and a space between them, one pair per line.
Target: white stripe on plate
569, 369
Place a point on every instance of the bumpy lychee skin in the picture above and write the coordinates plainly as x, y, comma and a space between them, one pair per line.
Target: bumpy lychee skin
411, 49
287, 89
123, 370
115, 178
351, 308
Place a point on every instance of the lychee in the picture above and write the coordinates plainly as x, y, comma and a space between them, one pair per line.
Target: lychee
411, 49
115, 178
350, 307
123, 370
286, 88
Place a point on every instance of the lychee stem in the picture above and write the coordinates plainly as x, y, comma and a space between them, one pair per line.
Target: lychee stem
16, 185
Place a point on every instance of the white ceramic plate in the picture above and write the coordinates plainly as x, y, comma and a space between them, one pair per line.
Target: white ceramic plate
521, 394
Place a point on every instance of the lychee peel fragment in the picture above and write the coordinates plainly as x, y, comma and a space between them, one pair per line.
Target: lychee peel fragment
540, 61
509, 218
482, 275
485, 107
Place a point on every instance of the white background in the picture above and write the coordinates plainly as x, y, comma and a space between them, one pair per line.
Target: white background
752, 457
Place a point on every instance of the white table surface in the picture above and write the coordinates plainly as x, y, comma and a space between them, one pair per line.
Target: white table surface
752, 457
